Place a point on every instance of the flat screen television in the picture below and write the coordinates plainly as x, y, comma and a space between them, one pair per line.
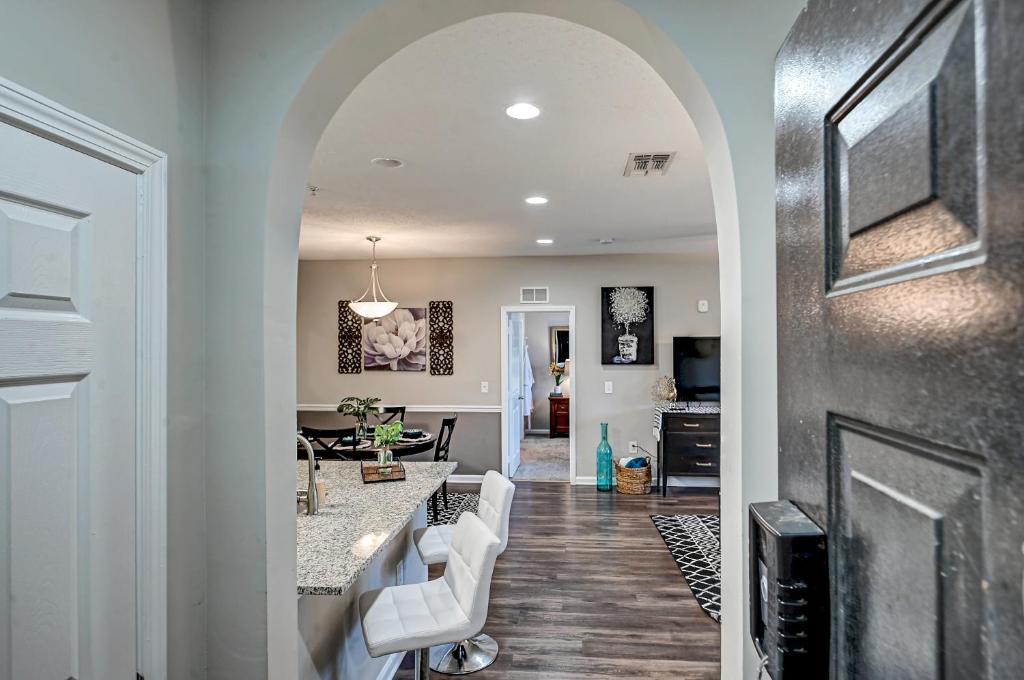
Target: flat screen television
697, 368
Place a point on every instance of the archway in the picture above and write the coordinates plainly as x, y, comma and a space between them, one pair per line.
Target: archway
351, 57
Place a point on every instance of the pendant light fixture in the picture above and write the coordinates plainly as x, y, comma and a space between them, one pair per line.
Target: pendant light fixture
373, 309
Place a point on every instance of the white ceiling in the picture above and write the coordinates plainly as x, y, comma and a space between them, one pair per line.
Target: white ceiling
439, 105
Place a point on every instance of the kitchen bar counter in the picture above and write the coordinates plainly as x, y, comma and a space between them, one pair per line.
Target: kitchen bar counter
357, 521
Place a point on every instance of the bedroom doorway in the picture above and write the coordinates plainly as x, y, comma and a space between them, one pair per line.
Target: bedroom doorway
537, 415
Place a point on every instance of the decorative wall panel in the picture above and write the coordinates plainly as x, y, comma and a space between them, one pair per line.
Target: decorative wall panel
350, 340
441, 319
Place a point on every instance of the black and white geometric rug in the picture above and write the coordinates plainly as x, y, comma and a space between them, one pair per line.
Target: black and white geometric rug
458, 503
695, 544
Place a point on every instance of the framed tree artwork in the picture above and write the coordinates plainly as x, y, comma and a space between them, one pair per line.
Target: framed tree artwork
627, 325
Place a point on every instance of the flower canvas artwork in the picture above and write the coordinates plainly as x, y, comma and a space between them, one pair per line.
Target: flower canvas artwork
396, 342
627, 325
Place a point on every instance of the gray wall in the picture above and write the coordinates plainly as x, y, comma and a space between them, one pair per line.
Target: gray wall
137, 67
478, 289
538, 339
474, 441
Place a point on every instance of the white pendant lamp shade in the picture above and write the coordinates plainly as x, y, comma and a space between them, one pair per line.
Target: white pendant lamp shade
370, 306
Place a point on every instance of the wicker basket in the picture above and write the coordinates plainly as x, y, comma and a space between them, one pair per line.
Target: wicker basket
633, 481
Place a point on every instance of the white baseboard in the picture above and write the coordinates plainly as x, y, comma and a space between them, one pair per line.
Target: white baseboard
538, 432
706, 482
466, 479
391, 667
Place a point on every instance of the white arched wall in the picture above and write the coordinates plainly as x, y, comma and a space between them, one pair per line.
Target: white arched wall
277, 74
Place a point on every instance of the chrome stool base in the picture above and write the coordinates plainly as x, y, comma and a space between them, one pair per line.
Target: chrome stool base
462, 658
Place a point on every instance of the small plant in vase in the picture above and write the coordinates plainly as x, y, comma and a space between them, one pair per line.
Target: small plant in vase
383, 437
360, 409
558, 372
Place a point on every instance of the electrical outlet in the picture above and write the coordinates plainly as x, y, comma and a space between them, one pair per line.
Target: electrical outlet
702, 306
607, 386
632, 448
484, 387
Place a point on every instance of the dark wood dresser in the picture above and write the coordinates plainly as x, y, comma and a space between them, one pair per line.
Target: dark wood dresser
559, 423
688, 445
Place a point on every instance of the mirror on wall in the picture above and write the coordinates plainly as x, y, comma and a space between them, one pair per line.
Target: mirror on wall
559, 344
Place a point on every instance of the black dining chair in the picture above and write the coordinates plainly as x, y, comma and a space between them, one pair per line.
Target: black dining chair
444, 440
332, 441
392, 413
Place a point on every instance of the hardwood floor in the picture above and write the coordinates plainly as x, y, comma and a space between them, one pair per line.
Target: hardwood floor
587, 589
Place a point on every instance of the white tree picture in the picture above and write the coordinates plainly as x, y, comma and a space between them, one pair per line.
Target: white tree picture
629, 307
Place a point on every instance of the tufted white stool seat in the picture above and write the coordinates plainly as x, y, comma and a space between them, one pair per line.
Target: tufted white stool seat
418, 616
472, 653
495, 507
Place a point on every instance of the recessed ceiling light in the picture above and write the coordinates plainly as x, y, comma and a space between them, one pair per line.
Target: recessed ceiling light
522, 111
384, 162
545, 241
606, 241
536, 200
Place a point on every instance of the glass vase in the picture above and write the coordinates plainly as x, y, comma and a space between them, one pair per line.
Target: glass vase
384, 460
604, 461
361, 428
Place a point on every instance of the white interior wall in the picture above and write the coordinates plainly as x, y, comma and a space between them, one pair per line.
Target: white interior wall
137, 67
282, 71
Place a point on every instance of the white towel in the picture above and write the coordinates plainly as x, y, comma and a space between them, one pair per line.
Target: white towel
527, 380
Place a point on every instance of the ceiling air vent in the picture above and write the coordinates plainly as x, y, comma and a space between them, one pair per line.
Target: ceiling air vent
530, 296
647, 164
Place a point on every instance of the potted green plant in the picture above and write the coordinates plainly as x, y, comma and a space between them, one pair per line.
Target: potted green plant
383, 437
359, 408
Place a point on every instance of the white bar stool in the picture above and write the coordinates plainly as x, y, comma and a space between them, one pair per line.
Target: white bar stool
418, 616
433, 544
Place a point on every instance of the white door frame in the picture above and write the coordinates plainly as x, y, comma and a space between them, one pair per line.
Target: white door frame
511, 309
40, 116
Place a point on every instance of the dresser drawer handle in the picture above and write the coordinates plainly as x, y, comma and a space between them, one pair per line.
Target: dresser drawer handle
705, 446
703, 464
691, 424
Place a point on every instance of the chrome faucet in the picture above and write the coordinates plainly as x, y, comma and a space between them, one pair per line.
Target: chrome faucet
312, 501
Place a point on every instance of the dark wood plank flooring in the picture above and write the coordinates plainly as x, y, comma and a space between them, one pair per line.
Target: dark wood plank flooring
587, 589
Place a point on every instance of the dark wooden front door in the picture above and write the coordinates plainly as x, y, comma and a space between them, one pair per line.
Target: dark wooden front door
900, 163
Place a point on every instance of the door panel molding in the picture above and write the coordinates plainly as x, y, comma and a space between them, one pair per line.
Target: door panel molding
33, 113
881, 231
907, 525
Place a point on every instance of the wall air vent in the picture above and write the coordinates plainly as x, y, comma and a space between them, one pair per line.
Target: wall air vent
533, 296
647, 164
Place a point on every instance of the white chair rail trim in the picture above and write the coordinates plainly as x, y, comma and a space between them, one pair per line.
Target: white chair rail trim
420, 408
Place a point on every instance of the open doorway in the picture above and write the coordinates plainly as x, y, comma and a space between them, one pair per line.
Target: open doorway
537, 414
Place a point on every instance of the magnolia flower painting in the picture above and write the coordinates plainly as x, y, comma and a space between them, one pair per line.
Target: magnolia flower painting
396, 342
627, 325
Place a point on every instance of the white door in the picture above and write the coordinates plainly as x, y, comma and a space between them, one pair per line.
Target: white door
514, 385
67, 413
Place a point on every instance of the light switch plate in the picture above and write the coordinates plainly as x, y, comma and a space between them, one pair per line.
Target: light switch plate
702, 306
607, 386
484, 387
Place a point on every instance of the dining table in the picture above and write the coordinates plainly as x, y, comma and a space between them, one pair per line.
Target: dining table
403, 447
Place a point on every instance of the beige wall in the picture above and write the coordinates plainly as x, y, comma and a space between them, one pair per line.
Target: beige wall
478, 288
538, 337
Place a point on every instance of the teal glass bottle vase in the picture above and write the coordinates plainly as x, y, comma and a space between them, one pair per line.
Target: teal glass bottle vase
604, 461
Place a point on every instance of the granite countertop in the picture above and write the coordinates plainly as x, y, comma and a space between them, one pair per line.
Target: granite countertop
357, 521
